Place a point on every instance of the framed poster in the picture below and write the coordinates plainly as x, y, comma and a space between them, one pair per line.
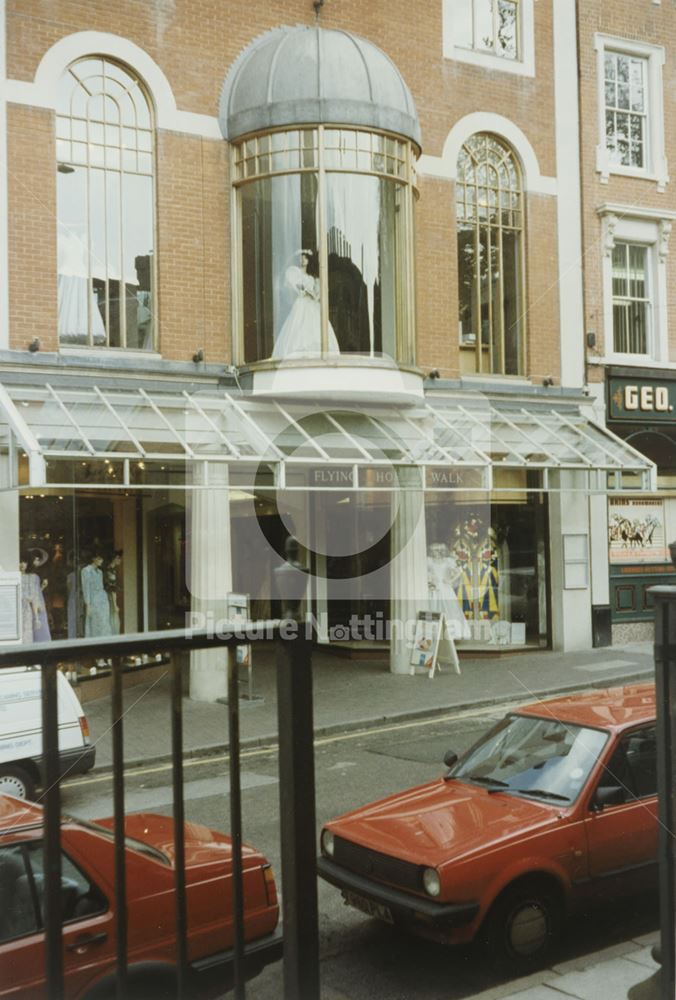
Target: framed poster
636, 531
426, 640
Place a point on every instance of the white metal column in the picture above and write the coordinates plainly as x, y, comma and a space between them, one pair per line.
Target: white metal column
210, 576
408, 575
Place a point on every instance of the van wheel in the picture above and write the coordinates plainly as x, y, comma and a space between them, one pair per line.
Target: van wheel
523, 927
15, 781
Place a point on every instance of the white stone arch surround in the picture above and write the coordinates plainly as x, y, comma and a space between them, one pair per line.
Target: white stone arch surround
446, 165
42, 91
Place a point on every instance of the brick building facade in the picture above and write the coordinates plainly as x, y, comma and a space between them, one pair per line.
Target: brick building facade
507, 199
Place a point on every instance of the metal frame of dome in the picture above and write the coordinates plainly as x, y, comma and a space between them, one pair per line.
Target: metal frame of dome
307, 75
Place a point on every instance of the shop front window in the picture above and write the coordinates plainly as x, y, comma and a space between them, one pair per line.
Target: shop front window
105, 199
490, 253
487, 568
325, 222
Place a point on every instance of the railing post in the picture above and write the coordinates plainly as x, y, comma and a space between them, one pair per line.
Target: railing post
177, 664
52, 832
117, 729
236, 823
297, 813
665, 680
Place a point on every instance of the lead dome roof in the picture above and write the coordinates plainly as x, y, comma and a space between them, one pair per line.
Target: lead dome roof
307, 75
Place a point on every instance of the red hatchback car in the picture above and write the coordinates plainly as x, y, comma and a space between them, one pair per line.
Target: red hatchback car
88, 907
553, 808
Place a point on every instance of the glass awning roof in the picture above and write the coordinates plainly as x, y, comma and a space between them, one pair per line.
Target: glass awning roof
49, 423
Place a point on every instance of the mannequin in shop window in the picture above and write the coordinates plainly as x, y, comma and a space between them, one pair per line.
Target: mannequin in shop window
34, 623
300, 334
442, 578
110, 582
96, 602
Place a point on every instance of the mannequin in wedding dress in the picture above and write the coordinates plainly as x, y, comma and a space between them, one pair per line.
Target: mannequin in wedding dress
442, 573
300, 334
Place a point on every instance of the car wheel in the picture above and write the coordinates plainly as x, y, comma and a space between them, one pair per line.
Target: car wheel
15, 781
523, 926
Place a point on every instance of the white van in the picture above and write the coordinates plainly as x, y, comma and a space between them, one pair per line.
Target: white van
21, 764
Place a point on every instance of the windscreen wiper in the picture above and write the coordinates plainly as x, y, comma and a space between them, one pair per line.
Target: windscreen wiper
482, 779
538, 793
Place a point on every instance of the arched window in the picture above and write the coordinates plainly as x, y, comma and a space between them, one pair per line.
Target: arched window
105, 207
490, 257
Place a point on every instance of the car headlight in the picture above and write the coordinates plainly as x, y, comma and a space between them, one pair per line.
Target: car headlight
327, 843
431, 882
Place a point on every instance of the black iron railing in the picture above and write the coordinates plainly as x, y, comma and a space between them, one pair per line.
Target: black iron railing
297, 796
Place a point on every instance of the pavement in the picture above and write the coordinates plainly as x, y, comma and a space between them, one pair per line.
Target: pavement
353, 694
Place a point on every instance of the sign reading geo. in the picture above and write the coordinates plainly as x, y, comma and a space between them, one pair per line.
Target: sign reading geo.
639, 400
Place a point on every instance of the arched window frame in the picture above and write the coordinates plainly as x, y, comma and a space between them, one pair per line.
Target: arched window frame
491, 208
103, 148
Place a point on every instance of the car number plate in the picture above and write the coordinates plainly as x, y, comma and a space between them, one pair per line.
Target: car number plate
368, 906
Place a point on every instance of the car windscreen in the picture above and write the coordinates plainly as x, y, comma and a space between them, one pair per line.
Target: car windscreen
540, 758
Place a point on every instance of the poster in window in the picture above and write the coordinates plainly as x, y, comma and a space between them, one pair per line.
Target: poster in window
636, 531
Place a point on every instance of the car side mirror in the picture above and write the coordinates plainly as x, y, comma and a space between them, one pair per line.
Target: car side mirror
608, 795
450, 758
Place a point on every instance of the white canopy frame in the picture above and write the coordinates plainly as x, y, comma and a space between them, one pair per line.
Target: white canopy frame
162, 426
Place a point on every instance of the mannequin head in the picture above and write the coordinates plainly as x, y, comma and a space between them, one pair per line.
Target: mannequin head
96, 560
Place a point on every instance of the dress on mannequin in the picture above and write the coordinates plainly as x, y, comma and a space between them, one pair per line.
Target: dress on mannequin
442, 576
31, 605
300, 334
97, 605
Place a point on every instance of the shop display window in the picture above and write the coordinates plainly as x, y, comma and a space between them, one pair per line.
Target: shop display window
487, 569
324, 226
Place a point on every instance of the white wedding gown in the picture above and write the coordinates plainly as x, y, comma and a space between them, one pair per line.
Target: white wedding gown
300, 335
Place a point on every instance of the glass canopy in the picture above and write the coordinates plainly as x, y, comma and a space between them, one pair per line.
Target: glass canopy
56, 430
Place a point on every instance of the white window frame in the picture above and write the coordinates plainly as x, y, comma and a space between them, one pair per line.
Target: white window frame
523, 65
622, 224
655, 161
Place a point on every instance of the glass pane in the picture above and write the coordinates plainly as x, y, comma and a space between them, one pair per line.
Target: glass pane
620, 269
114, 257
138, 260
610, 66
74, 289
461, 20
483, 14
365, 245
468, 322
280, 293
511, 301
622, 68
98, 263
19, 917
506, 41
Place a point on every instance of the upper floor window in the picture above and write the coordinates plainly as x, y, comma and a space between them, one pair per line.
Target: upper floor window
635, 283
625, 97
325, 219
631, 111
489, 202
497, 34
489, 25
105, 208
631, 299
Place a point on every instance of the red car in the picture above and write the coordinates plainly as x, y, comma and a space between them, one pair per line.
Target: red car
88, 901
556, 806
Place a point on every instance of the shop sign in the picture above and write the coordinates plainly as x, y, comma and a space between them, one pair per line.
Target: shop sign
325, 476
453, 477
637, 399
636, 531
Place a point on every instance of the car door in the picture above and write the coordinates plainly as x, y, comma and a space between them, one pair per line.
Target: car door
622, 837
88, 942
